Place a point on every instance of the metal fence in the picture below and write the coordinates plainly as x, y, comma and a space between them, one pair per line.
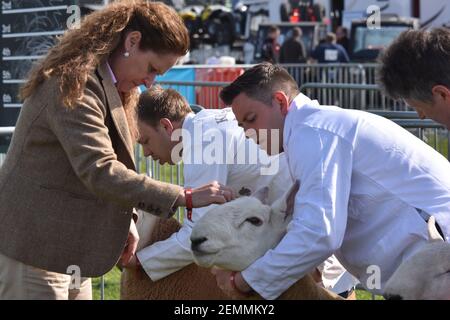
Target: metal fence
203, 93
431, 132
332, 72
346, 95
349, 85
363, 73
352, 96
5, 136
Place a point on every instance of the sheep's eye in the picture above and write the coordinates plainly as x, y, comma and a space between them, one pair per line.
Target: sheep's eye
254, 221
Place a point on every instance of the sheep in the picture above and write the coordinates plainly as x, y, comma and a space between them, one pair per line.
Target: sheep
426, 274
191, 282
237, 233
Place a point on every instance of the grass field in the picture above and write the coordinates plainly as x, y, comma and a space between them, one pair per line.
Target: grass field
112, 288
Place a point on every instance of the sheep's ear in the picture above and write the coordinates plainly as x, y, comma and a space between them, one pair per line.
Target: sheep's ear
262, 195
433, 234
285, 204
290, 199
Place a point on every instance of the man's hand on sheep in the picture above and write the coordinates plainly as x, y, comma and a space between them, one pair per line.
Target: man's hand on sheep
223, 279
210, 193
128, 254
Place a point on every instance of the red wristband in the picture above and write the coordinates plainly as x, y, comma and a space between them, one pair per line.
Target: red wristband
233, 284
188, 197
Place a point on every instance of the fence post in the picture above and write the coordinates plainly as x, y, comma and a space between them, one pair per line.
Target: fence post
102, 288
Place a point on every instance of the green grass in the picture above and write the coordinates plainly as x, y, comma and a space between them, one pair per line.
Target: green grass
166, 173
438, 140
364, 295
112, 288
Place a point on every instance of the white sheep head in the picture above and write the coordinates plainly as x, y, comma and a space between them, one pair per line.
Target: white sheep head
235, 234
426, 275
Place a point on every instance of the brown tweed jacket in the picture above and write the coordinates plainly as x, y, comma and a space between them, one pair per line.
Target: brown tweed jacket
68, 183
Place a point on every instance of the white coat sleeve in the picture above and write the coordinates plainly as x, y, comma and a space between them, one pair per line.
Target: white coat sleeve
323, 163
166, 257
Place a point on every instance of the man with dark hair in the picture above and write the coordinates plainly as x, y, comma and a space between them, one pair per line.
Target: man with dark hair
367, 186
416, 68
342, 38
293, 49
271, 47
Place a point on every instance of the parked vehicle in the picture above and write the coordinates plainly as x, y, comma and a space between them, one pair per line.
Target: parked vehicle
366, 41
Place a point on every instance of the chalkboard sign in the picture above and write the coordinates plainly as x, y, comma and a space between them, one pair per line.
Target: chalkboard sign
29, 29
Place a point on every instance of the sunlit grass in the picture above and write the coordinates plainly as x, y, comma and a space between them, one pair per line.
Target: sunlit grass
112, 288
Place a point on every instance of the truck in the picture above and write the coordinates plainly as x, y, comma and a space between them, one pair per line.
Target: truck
366, 41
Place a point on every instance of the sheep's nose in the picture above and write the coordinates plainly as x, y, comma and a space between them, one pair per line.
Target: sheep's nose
196, 242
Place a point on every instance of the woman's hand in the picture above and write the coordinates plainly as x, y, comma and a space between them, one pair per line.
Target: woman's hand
210, 193
239, 290
130, 248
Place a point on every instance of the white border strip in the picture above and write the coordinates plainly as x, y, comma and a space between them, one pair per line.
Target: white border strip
32, 34
39, 9
13, 81
12, 105
17, 58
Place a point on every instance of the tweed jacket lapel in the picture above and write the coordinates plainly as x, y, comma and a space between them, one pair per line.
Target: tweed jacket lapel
116, 108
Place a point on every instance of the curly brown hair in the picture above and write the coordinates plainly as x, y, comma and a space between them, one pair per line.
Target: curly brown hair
79, 51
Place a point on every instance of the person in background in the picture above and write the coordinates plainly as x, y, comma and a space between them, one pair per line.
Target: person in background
329, 51
426, 86
342, 38
68, 185
293, 49
271, 47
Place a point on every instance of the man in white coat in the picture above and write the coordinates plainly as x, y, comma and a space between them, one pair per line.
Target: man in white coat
367, 186
212, 147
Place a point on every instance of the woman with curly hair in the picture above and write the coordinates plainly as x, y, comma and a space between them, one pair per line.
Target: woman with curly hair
68, 185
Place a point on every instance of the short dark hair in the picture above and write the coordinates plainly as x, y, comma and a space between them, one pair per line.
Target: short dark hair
273, 29
344, 30
415, 62
296, 32
157, 103
260, 82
